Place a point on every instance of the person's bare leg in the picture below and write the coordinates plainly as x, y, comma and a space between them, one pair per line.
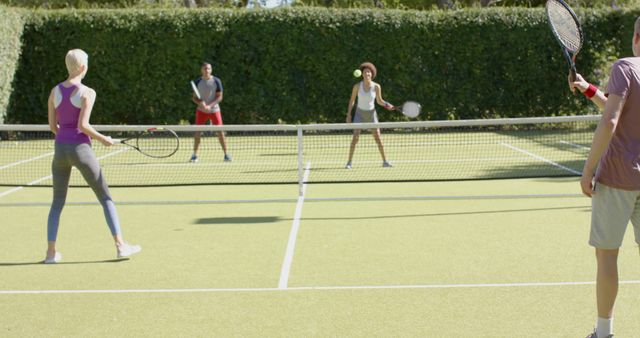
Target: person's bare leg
223, 141
376, 136
196, 142
354, 142
606, 286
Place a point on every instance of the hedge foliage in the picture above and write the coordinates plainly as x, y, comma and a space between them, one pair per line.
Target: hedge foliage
295, 65
11, 25
392, 4
53, 4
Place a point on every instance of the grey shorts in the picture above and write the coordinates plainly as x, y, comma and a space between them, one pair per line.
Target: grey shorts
611, 211
365, 116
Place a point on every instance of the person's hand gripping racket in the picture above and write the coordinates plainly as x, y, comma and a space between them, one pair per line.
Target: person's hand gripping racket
577, 83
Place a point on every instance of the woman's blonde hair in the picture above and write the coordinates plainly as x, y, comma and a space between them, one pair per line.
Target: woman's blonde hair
75, 59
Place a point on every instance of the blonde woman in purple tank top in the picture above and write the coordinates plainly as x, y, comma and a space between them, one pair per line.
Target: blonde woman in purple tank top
69, 109
611, 175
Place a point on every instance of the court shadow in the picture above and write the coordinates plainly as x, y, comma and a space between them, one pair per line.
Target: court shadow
238, 220
116, 260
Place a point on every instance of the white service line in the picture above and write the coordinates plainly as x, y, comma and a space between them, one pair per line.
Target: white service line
558, 165
25, 161
575, 145
293, 234
10, 191
313, 288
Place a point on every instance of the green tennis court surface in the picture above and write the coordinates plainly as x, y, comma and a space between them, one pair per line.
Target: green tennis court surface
497, 258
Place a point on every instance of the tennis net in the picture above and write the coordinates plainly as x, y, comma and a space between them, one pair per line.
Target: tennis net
417, 151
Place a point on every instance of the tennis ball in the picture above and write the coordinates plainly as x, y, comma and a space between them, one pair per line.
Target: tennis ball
357, 73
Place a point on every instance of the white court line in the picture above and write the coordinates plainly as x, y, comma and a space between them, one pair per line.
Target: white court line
316, 163
313, 288
575, 145
558, 165
293, 234
437, 161
25, 161
312, 199
10, 191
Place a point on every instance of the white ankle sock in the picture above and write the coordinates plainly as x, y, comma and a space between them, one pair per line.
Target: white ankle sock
604, 327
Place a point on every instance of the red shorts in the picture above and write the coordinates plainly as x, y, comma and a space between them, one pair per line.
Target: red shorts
202, 118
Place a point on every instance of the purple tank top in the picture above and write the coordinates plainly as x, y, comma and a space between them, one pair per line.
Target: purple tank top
67, 115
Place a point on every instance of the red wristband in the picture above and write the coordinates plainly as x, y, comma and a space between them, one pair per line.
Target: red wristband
591, 91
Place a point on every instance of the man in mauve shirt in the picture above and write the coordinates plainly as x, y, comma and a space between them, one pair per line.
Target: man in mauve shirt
614, 187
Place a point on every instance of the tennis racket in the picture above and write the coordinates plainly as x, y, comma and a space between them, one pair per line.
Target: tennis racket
409, 109
153, 142
566, 28
195, 91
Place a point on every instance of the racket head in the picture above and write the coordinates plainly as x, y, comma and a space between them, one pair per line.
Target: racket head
195, 90
157, 142
565, 26
411, 109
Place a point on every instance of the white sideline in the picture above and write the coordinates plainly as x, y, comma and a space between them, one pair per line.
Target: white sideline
541, 159
10, 191
293, 234
312, 288
25, 161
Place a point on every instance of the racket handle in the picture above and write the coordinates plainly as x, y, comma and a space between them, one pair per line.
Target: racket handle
116, 141
572, 74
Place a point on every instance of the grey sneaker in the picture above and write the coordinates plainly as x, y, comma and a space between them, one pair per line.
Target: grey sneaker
594, 335
127, 250
227, 158
386, 164
53, 260
194, 159
348, 166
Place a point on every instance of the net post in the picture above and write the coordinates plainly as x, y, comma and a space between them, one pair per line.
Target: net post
300, 162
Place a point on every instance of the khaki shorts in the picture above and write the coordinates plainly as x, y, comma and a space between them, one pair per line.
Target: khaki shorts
611, 211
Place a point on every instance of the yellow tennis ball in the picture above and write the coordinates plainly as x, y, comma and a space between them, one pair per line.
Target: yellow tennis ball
357, 73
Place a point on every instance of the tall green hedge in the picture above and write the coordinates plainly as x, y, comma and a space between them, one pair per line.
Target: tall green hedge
11, 25
295, 65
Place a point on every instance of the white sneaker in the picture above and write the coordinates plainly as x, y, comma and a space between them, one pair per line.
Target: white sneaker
594, 335
55, 259
127, 250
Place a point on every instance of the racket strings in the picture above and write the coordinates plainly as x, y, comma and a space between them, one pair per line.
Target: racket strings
411, 109
564, 26
157, 143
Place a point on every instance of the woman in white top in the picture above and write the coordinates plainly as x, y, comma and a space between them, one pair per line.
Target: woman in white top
368, 93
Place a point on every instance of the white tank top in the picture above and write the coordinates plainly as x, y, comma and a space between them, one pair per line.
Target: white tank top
366, 100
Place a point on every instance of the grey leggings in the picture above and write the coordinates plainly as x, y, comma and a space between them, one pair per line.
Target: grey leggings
82, 157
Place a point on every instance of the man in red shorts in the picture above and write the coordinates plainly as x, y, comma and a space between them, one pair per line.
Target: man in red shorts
210, 89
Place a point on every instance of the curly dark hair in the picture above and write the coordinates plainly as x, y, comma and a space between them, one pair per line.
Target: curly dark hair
371, 67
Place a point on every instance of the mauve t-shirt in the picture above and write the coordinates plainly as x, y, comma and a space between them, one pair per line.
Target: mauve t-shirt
620, 166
